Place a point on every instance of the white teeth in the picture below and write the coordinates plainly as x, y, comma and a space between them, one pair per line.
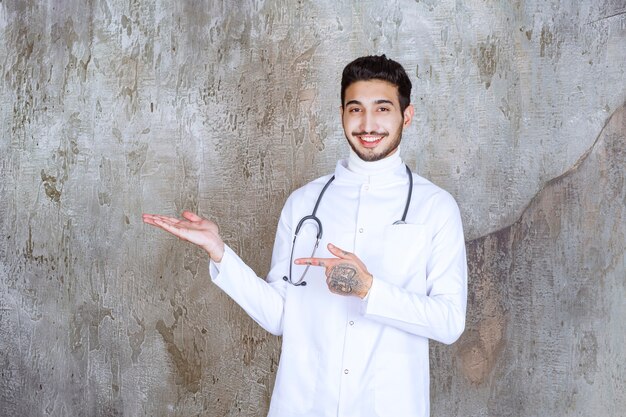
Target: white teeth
371, 138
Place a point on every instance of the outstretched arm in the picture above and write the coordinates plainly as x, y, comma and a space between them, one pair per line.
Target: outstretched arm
260, 300
192, 228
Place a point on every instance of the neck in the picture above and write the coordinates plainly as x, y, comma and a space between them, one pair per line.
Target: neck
361, 167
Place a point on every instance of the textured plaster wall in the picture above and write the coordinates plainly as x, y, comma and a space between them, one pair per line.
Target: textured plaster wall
113, 108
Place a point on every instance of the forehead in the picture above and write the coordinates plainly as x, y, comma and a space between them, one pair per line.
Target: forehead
371, 90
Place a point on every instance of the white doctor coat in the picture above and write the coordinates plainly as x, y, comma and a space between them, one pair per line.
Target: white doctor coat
346, 357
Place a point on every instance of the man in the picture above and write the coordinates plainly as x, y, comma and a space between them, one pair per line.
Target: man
391, 271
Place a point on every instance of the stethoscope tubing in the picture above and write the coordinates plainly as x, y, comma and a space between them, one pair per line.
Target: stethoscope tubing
408, 197
314, 218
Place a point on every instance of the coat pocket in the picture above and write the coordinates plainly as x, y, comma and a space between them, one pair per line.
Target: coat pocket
406, 248
401, 389
296, 382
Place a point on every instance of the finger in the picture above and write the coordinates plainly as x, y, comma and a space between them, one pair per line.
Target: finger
323, 262
147, 217
153, 217
150, 219
171, 228
338, 252
171, 221
182, 224
191, 216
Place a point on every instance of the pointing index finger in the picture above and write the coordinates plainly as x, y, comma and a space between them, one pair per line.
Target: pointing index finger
313, 261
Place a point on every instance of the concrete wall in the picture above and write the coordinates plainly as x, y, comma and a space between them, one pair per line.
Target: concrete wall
111, 108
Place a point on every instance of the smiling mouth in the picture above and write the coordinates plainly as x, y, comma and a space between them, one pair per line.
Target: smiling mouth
370, 140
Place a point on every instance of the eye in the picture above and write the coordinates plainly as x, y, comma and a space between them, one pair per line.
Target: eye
383, 109
354, 110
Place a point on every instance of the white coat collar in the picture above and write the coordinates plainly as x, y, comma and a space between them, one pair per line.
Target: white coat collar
393, 175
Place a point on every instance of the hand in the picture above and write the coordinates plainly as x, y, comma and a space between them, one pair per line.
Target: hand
345, 275
194, 229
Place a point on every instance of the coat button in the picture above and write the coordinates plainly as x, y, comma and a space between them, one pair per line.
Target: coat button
351, 323
345, 371
361, 230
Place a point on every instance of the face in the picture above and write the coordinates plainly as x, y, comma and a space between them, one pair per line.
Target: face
372, 119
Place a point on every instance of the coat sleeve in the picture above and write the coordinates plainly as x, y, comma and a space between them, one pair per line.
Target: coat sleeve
263, 300
440, 313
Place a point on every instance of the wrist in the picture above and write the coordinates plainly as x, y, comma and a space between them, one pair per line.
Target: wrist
216, 254
367, 286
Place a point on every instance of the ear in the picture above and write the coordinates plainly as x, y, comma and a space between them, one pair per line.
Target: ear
408, 115
341, 112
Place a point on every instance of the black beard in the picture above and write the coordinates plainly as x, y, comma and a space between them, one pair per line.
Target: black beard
372, 157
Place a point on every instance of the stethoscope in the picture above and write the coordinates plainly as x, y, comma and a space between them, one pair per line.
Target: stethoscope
318, 224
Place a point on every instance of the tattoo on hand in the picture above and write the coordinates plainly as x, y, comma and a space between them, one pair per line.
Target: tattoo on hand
343, 279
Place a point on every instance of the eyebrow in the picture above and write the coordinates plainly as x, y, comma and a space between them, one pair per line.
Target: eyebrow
379, 101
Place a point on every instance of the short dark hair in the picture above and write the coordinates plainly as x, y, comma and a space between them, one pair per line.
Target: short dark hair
382, 68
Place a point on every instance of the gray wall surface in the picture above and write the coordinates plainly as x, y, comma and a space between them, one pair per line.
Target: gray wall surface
112, 108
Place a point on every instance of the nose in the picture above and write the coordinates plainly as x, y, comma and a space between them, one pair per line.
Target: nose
368, 122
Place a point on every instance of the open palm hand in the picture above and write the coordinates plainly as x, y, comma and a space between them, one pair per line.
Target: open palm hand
192, 228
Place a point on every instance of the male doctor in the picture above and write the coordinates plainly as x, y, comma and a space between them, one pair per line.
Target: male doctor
389, 272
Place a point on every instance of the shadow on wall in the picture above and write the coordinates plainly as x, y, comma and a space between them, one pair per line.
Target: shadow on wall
545, 309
